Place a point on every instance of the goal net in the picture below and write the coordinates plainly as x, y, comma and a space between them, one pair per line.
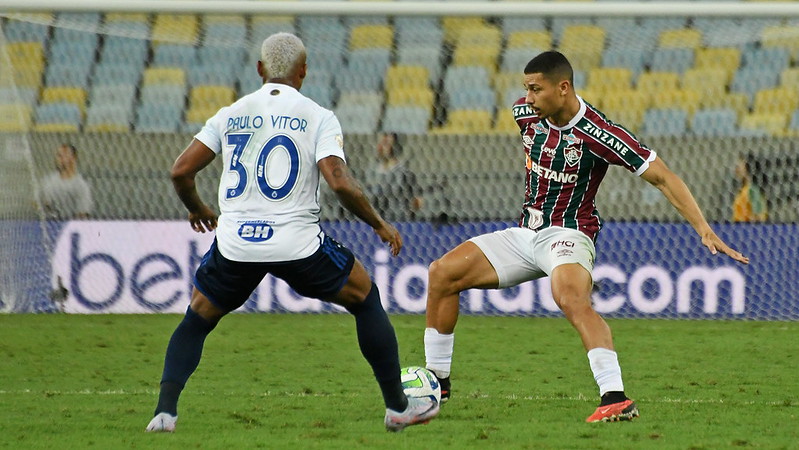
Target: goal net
711, 94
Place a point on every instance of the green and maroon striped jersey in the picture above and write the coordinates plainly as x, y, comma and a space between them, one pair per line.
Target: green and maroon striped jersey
565, 166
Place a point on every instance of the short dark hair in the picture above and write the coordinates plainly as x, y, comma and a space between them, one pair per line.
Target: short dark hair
553, 65
72, 148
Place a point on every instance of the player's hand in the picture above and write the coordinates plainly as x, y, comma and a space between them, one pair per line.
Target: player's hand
715, 245
391, 236
202, 220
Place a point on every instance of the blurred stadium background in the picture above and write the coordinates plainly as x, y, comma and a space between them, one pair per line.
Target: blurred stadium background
130, 89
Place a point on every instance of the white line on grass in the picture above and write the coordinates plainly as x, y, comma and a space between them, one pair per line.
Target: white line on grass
481, 395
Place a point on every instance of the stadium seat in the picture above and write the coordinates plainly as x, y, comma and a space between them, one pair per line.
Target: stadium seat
175, 28
111, 74
418, 31
222, 55
158, 118
749, 80
559, 26
672, 60
371, 36
117, 49
57, 116
120, 95
67, 75
584, 45
528, 40
723, 32
687, 99
609, 79
680, 38
775, 59
632, 59
324, 95
15, 117
465, 77
789, 78
213, 74
89, 21
504, 122
515, 60
428, 57
18, 95
477, 98
629, 119
422, 97
715, 123
164, 76
653, 82
454, 26
401, 76
175, 55
22, 31
224, 30
774, 124
211, 97
782, 36
406, 119
727, 59
630, 101
29, 54
476, 55
466, 121
75, 96
777, 100
709, 82
635, 37
108, 118
512, 24
358, 119
793, 126
738, 102
134, 26
163, 93
665, 122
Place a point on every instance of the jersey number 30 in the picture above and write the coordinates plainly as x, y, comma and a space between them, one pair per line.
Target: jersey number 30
239, 143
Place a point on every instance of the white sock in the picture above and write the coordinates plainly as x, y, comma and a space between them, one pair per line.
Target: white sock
606, 369
438, 351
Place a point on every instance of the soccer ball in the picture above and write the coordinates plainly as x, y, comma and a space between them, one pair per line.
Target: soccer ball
420, 383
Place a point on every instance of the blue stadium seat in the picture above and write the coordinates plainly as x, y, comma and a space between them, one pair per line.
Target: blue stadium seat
122, 49
118, 117
67, 74
665, 122
427, 57
768, 58
127, 29
159, 118
163, 93
89, 21
222, 55
793, 126
58, 113
227, 33
632, 37
424, 33
18, 94
482, 98
21, 31
77, 52
465, 77
321, 94
213, 74
511, 24
116, 73
672, 60
515, 59
406, 119
360, 119
322, 56
635, 59
750, 79
119, 95
175, 55
715, 123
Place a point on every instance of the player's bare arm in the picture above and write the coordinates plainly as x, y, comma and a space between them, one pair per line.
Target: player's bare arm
352, 197
193, 159
678, 194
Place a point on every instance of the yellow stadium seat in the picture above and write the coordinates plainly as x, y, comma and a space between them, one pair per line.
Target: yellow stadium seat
29, 54
727, 58
584, 59
629, 119
175, 28
23, 76
626, 100
502, 81
609, 78
164, 75
789, 78
530, 39
402, 76
15, 118
592, 97
773, 123
454, 26
482, 56
680, 38
55, 128
411, 97
504, 122
786, 36
778, 101
463, 121
734, 100
586, 39
687, 99
657, 81
231, 19
710, 82
199, 115
484, 36
73, 95
125, 17
107, 128
211, 97
371, 36
272, 20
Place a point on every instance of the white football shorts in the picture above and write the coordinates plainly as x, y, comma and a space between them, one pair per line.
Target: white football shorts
520, 254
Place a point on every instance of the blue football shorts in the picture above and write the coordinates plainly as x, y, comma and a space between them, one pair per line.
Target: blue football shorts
228, 284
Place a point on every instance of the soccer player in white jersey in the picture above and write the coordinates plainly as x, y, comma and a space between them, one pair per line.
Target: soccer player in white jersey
568, 146
274, 144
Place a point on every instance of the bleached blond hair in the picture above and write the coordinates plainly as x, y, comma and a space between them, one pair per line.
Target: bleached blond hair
280, 53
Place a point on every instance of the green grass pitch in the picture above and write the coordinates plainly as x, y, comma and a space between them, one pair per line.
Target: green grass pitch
298, 381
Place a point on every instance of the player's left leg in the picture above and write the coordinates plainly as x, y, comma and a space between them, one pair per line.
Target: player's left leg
571, 290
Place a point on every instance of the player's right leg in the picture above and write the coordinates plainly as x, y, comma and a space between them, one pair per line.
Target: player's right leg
464, 267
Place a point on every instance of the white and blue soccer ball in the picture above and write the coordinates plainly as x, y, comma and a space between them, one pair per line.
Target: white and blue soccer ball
420, 383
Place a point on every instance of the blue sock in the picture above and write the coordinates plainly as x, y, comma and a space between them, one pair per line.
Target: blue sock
378, 345
182, 357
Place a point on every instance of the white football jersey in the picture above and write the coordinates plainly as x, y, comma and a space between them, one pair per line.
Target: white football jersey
270, 142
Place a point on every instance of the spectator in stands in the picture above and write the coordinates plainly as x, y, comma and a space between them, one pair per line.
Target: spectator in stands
750, 203
65, 193
392, 186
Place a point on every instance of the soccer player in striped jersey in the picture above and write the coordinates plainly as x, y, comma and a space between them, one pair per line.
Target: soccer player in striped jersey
275, 143
568, 147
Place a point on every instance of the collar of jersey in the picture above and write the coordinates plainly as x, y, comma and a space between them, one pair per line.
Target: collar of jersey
574, 120
279, 86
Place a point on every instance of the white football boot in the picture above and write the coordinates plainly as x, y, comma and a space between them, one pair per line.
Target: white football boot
162, 422
419, 411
